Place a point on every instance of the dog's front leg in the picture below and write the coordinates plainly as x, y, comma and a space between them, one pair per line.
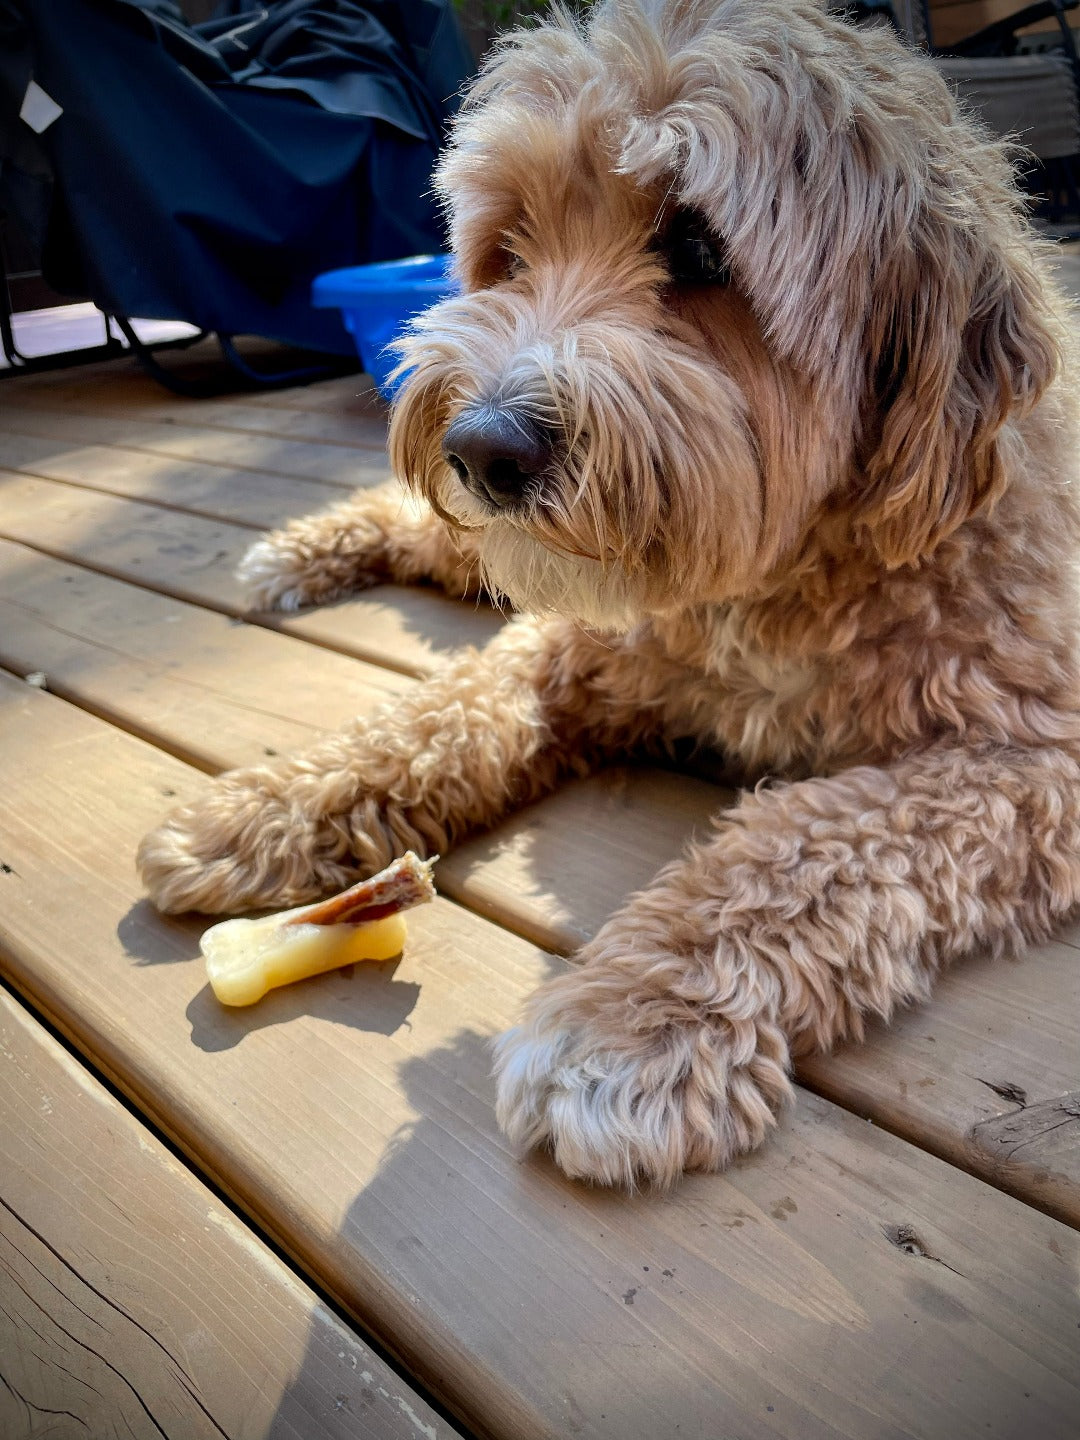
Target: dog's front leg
491, 730
813, 906
377, 535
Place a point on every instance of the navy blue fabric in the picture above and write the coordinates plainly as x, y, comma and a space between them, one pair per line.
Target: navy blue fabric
208, 177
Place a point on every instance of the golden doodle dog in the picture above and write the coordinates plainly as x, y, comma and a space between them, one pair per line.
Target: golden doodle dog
757, 405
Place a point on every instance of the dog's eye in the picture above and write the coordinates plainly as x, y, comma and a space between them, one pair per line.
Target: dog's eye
692, 252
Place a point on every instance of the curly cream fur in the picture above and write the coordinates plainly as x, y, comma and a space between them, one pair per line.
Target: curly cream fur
823, 517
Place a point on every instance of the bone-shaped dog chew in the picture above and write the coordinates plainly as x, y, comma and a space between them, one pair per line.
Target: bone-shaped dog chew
245, 958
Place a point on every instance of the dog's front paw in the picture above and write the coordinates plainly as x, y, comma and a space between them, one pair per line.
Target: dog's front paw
625, 1088
275, 576
242, 846
314, 561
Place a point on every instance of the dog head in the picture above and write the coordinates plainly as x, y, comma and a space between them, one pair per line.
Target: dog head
733, 274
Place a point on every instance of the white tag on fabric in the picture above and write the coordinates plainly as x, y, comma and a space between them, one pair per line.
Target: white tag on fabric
39, 109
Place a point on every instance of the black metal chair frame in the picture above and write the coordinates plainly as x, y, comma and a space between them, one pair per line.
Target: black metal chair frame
113, 348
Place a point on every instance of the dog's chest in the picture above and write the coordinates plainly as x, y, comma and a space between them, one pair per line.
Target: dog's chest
754, 704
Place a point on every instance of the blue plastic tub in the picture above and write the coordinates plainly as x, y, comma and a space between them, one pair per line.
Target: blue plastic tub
376, 301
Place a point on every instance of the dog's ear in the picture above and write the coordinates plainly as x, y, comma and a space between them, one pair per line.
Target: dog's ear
960, 341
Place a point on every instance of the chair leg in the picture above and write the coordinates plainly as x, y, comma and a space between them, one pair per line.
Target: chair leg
305, 375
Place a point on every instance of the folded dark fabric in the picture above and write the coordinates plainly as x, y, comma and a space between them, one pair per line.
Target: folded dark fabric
208, 173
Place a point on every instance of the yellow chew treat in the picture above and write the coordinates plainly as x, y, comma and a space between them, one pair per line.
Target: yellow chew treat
245, 958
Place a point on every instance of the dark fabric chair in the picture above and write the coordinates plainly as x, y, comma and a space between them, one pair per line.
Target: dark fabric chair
208, 174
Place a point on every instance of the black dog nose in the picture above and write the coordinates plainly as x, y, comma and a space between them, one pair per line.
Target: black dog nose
495, 454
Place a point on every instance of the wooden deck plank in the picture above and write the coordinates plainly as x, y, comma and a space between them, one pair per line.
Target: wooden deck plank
173, 672
37, 440
987, 1075
192, 558
353, 1114
221, 694
124, 383
342, 411
352, 393
246, 497
136, 1304
358, 423
241, 450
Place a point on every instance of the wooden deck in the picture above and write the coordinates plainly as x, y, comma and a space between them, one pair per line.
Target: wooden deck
901, 1260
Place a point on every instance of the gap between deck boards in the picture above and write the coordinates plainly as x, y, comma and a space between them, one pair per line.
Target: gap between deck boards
451, 1247
488, 900
93, 1083
980, 1153
403, 628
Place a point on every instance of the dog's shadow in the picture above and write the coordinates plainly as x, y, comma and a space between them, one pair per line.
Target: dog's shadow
438, 621
361, 997
558, 868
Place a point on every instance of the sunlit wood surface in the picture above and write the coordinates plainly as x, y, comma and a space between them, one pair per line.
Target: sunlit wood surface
901, 1259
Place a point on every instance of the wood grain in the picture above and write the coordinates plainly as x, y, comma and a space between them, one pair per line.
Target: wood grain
214, 691
194, 559
348, 412
349, 394
950, 1074
240, 450
124, 385
246, 497
134, 1303
220, 694
358, 424
555, 871
813, 1290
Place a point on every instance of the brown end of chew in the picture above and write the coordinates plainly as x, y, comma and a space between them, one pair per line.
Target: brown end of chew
405, 883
